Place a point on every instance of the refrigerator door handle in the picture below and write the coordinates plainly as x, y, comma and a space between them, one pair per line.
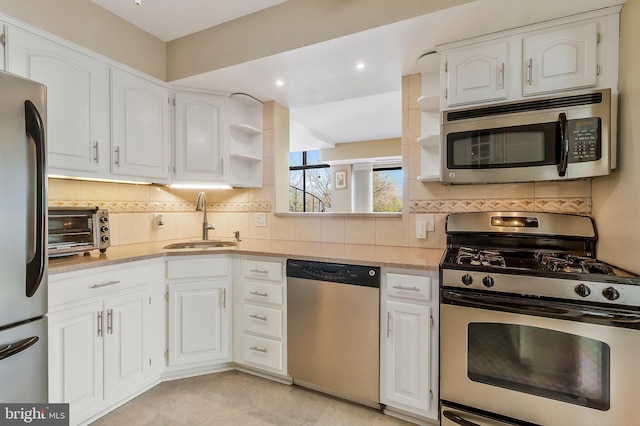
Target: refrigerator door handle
16, 347
37, 264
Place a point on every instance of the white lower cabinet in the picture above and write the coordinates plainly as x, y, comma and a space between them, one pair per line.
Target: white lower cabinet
199, 295
260, 315
408, 352
105, 336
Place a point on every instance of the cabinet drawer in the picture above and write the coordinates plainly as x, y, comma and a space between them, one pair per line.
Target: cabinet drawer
258, 269
264, 293
263, 352
197, 268
267, 321
98, 282
409, 286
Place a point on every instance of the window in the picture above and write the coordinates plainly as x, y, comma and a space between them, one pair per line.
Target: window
387, 189
309, 182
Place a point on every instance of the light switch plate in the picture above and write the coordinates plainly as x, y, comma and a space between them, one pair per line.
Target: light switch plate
427, 221
261, 219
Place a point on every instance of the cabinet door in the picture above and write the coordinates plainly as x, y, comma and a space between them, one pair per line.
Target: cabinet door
140, 128
477, 73
126, 341
202, 137
560, 60
77, 102
75, 356
198, 322
407, 363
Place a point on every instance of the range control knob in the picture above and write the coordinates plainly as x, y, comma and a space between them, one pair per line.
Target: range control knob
104, 238
467, 279
488, 281
611, 293
582, 290
104, 228
104, 219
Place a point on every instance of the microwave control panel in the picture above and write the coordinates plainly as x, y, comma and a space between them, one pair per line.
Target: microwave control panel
584, 140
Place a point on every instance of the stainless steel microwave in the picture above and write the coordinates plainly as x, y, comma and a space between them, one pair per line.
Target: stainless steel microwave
551, 138
73, 230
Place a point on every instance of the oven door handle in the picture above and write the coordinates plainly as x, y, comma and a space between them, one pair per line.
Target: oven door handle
450, 415
616, 317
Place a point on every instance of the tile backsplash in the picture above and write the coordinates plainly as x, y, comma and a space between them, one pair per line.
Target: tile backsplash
132, 206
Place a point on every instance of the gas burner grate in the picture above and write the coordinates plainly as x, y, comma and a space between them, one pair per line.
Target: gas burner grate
560, 262
477, 257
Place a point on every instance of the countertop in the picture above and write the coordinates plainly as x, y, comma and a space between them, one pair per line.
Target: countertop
385, 256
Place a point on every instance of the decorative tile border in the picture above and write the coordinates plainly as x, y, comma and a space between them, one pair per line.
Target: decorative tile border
154, 207
576, 205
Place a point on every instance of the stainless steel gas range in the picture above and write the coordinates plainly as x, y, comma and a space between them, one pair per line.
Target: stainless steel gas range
534, 329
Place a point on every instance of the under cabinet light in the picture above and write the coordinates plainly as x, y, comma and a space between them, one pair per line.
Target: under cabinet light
199, 186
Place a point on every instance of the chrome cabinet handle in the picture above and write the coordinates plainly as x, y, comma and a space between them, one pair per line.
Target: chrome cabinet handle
117, 159
105, 284
501, 73
401, 287
530, 71
96, 155
388, 324
110, 321
224, 298
256, 293
257, 349
258, 317
259, 271
100, 324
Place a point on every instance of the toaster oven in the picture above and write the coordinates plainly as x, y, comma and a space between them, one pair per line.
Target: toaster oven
73, 230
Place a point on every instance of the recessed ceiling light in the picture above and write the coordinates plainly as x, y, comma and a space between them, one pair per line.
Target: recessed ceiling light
138, 2
279, 83
360, 66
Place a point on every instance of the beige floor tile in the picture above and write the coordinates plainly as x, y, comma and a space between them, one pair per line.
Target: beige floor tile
236, 398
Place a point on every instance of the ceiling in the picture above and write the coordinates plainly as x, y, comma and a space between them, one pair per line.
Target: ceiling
329, 98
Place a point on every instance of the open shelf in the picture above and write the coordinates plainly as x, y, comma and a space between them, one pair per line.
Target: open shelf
429, 103
429, 140
245, 141
429, 178
246, 129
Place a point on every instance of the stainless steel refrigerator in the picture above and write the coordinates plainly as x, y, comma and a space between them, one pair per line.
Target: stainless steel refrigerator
23, 256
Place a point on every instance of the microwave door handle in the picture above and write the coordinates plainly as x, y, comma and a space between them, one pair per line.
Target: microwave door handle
564, 145
34, 127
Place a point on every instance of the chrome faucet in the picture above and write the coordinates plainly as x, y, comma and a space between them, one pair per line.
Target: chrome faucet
201, 205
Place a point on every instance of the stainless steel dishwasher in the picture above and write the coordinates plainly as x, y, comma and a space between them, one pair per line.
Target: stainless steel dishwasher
333, 325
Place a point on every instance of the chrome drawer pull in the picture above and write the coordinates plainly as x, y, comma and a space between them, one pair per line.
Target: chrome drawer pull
258, 317
110, 321
257, 349
401, 287
100, 324
259, 271
257, 293
105, 284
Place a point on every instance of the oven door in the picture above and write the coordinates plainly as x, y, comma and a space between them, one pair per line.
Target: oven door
546, 363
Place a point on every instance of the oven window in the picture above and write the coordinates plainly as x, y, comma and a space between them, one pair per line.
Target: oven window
542, 362
520, 146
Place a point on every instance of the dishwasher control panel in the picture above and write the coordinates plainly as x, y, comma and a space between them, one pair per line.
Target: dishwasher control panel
368, 276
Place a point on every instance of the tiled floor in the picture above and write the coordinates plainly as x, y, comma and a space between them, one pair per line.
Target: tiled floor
236, 398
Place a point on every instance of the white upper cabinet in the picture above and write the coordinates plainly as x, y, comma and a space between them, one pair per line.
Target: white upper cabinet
202, 137
560, 60
477, 73
77, 101
140, 128
572, 53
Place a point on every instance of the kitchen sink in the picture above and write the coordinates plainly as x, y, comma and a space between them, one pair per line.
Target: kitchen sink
201, 244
